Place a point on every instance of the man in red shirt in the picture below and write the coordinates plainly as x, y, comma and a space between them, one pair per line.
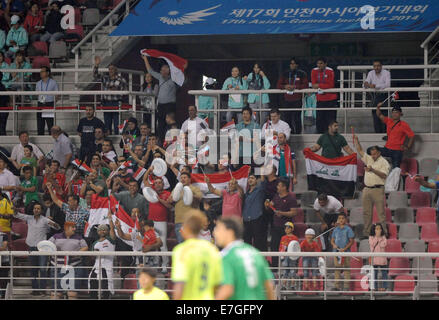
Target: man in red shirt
323, 77
57, 179
397, 132
232, 198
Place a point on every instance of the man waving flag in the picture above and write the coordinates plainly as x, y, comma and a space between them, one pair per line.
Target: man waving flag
176, 64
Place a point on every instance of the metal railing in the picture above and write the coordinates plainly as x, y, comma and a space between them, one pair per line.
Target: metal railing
428, 51
415, 280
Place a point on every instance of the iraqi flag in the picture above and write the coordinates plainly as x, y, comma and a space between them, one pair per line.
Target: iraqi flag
336, 176
176, 64
139, 173
220, 180
82, 166
99, 215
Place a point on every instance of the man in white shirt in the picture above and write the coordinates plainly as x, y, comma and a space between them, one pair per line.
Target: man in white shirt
377, 79
276, 124
8, 181
62, 150
18, 150
192, 123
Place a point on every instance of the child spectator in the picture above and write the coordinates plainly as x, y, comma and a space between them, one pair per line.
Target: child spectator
289, 264
342, 239
378, 243
205, 232
28, 160
210, 213
17, 37
309, 245
148, 291
29, 187
149, 240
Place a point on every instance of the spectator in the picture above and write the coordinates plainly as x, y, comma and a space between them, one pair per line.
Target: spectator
148, 102
54, 31
232, 198
171, 123
132, 199
53, 212
323, 77
397, 132
75, 184
327, 209
111, 82
18, 150
342, 239
96, 164
236, 101
194, 122
255, 226
4, 264
17, 38
20, 80
246, 136
108, 156
96, 183
86, 201
33, 23
285, 159
378, 243
290, 80
102, 270
290, 265
167, 95
310, 264
62, 150
148, 291
377, 79
38, 228
149, 240
6, 76
332, 142
310, 114
86, 130
4, 104
181, 209
99, 140
2, 40
8, 181
143, 138
207, 102
45, 101
56, 178
29, 187
257, 80
205, 231
138, 154
27, 160
69, 240
129, 133
276, 124
376, 171
6, 209
283, 206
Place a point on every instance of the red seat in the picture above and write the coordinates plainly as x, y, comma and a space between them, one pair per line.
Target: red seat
433, 246
387, 212
409, 165
299, 217
79, 30
20, 228
420, 199
354, 247
404, 285
356, 265
393, 245
300, 268
411, 185
360, 168
399, 266
40, 61
130, 284
299, 230
41, 46
392, 231
356, 285
425, 216
429, 232
436, 268
19, 245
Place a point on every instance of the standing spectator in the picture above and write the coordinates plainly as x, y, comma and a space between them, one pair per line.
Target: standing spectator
6, 208
132, 199
309, 245
232, 198
236, 101
142, 139
323, 77
310, 114
99, 140
38, 228
18, 150
245, 136
257, 80
207, 102
62, 150
255, 226
192, 123
53, 212
56, 178
96, 183
377, 79
69, 240
29, 187
129, 133
148, 291
4, 102
111, 82
276, 124
4, 264
286, 157
17, 38
96, 164
327, 209
148, 102
284, 206
397, 132
45, 101
332, 142
54, 31
289, 265
86, 130
20, 80
167, 95
376, 171
8, 181
290, 80
378, 243
342, 239
108, 156
33, 22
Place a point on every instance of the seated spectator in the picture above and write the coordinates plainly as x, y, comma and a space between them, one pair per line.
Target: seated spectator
94, 182
143, 138
86, 130
236, 101
56, 178
18, 150
332, 143
194, 123
8, 181
310, 264
99, 140
96, 164
38, 228
132, 199
147, 289
17, 38
28, 160
129, 133
232, 198
46, 101
108, 156
290, 265
20, 80
28, 187
69, 240
62, 148
33, 22
54, 31
257, 80
378, 243
6, 76
53, 212
276, 124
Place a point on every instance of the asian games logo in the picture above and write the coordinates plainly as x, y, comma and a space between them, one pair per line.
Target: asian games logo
176, 18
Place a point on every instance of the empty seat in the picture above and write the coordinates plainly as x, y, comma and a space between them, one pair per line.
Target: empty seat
408, 231
299, 230
356, 216
397, 199
20, 228
354, 247
40, 61
353, 203
429, 232
299, 217
433, 246
387, 212
425, 265
42, 47
57, 49
364, 246
427, 284
404, 215
428, 166
393, 245
409, 165
425, 216
392, 231
307, 199
415, 246
90, 17
420, 199
356, 265
404, 285
411, 185
399, 266
357, 285
19, 245
78, 30
311, 216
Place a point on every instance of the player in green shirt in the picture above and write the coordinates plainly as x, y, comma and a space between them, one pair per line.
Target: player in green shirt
196, 263
246, 274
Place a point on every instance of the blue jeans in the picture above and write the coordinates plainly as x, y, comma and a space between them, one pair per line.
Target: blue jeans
310, 262
51, 37
111, 117
178, 233
395, 155
384, 277
39, 265
291, 266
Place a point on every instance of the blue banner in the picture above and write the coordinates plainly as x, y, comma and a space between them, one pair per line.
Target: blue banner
201, 17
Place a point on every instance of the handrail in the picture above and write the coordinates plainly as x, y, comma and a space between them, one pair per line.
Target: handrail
100, 24
66, 93
391, 66
65, 70
426, 41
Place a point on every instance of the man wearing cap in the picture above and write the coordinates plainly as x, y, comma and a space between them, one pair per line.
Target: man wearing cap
17, 38
397, 132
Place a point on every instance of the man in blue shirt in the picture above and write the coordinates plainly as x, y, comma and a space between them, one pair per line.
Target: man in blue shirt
428, 184
45, 101
246, 136
342, 239
255, 224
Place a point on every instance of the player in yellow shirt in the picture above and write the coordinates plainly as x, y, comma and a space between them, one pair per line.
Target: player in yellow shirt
147, 278
196, 263
6, 213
